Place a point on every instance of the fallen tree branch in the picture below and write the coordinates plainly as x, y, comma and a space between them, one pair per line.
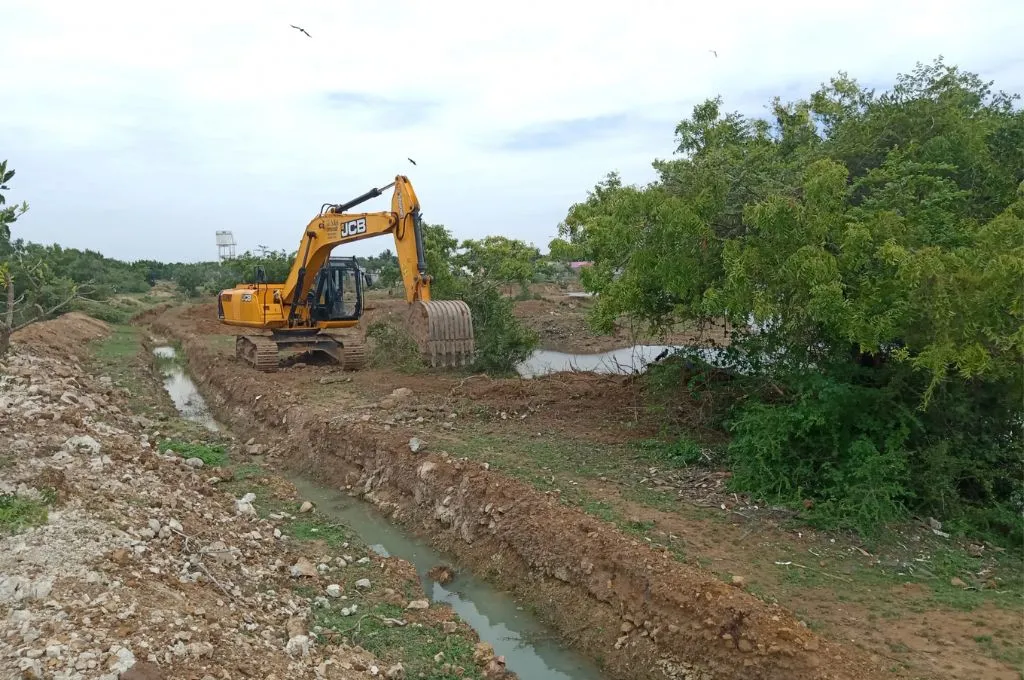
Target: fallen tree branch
185, 548
214, 579
45, 313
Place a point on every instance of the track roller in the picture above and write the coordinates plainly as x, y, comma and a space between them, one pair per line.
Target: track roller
258, 351
353, 355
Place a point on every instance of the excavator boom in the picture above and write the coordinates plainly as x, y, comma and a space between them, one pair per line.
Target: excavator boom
443, 330
334, 226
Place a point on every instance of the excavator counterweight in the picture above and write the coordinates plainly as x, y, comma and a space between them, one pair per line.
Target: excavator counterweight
319, 306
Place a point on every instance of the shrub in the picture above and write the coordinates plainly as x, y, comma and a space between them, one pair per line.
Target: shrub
393, 348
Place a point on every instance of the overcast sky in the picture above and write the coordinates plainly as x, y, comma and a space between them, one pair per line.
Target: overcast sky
139, 129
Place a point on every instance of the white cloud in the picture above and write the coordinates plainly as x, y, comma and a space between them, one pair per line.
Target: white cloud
139, 129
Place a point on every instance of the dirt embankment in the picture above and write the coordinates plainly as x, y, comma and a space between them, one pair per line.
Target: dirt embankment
118, 560
644, 614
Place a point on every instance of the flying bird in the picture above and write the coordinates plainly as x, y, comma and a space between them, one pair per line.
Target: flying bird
298, 28
714, 53
411, 161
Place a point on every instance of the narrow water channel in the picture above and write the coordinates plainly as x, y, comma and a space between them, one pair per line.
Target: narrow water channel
527, 645
530, 649
182, 390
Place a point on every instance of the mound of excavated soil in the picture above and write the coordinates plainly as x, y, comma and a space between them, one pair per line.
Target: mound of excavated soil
61, 337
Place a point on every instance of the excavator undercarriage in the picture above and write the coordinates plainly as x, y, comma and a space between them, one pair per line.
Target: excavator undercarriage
262, 352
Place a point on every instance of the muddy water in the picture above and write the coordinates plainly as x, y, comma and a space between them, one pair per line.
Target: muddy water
528, 646
182, 390
623, 361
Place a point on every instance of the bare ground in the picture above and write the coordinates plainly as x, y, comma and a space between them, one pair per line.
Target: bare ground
119, 558
917, 607
611, 594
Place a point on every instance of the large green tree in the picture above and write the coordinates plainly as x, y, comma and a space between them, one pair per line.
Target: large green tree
875, 242
500, 259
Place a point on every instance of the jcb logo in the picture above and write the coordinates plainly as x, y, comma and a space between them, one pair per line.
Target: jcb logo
354, 227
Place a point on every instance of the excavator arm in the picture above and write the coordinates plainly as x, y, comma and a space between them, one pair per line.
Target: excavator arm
334, 227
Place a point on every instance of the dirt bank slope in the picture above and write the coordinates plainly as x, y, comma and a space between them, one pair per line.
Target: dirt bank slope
614, 597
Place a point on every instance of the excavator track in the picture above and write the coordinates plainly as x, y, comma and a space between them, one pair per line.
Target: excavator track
443, 331
353, 355
257, 351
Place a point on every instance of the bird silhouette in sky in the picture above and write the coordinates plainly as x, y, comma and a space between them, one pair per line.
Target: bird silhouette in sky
298, 28
411, 161
714, 53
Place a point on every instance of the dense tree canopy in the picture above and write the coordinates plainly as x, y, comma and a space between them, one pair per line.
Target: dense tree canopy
875, 239
500, 259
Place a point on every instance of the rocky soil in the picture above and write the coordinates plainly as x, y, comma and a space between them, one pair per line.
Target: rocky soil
118, 560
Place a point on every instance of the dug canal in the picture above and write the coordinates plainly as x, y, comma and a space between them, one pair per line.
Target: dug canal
529, 647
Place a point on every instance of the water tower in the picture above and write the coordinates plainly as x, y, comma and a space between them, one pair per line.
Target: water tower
225, 245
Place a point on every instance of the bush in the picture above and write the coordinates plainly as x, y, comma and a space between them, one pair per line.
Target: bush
865, 455
838, 443
105, 310
502, 341
393, 348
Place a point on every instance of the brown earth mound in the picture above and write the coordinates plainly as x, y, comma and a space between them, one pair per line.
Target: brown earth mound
61, 337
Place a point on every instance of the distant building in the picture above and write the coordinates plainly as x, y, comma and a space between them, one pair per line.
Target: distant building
577, 265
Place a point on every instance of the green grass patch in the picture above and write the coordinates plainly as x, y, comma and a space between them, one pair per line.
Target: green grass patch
601, 510
118, 356
681, 452
1009, 652
246, 471
858, 582
212, 455
317, 529
122, 343
305, 527
18, 513
266, 502
553, 464
393, 347
413, 646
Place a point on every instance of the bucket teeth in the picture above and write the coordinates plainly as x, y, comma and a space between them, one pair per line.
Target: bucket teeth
443, 330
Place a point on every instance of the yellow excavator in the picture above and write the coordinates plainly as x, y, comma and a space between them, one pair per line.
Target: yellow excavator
324, 294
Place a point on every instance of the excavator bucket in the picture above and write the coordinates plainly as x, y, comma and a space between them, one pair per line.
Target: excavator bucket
443, 330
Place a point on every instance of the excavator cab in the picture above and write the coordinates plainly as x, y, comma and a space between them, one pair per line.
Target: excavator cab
337, 291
